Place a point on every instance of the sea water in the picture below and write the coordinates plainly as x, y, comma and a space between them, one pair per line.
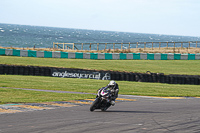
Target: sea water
12, 35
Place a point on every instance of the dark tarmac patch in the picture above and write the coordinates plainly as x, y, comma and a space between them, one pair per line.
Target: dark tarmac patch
24, 107
15, 108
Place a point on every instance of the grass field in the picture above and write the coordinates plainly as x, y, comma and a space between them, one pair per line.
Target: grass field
81, 85
24, 96
189, 67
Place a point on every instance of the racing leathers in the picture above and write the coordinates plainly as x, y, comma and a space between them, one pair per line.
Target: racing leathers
114, 90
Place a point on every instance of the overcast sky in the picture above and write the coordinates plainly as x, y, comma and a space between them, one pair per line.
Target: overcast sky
171, 17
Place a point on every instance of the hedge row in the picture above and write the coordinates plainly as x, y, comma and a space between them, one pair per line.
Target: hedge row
121, 76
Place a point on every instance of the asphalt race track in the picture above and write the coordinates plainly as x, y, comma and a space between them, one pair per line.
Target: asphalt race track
144, 115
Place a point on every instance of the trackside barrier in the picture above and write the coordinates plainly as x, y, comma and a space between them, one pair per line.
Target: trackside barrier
25, 70
100, 75
99, 56
126, 45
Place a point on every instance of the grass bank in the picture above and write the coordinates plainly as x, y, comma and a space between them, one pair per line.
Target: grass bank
82, 85
24, 96
189, 67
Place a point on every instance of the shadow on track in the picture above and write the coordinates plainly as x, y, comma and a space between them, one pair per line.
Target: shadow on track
124, 111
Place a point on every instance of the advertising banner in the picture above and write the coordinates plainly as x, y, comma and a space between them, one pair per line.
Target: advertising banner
77, 73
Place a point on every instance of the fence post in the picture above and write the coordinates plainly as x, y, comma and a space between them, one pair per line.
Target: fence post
159, 45
167, 45
174, 45
144, 45
53, 45
97, 46
189, 45
129, 45
105, 45
196, 44
121, 46
152, 45
137, 45
181, 45
63, 46
73, 46
90, 46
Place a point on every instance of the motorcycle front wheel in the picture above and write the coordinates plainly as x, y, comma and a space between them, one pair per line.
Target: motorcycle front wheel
94, 104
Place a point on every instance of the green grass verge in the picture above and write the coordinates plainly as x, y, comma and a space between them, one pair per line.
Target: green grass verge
82, 85
189, 67
24, 96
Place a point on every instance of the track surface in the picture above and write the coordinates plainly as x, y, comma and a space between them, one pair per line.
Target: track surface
145, 115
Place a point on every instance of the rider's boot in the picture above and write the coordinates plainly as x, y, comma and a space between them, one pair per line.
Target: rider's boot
112, 102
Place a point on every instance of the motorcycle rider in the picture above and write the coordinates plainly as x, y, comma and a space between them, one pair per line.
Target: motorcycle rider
114, 88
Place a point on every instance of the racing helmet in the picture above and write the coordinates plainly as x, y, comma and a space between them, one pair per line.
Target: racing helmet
112, 84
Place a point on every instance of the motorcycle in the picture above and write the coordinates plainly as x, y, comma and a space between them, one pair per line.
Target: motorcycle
102, 100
